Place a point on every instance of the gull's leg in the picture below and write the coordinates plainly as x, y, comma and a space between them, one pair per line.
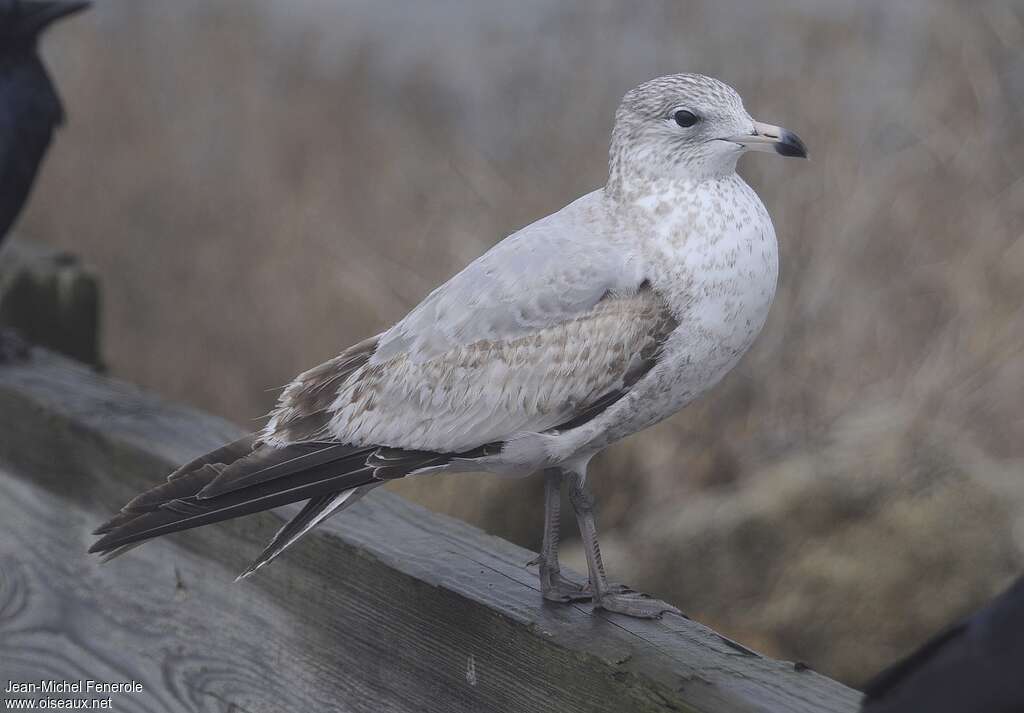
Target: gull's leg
553, 585
621, 600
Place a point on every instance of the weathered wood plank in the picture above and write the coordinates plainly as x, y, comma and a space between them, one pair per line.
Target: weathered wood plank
387, 608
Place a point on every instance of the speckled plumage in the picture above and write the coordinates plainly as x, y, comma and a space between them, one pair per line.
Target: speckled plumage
551, 318
578, 330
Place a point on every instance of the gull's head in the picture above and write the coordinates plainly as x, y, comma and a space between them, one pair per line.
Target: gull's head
689, 126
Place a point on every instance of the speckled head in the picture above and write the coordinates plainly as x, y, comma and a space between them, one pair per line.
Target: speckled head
688, 126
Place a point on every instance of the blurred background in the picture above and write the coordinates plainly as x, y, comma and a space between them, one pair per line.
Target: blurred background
260, 184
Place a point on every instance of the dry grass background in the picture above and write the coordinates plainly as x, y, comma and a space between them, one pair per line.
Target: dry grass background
260, 184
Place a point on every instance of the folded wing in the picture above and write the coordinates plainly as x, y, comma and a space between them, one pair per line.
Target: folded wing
515, 343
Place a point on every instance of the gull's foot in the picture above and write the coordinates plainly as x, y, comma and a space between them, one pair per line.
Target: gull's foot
635, 604
559, 589
13, 347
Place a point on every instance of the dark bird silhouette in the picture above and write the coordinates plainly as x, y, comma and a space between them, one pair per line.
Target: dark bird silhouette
975, 666
30, 110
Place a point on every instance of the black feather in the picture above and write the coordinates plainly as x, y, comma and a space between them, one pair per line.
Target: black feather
187, 512
226, 455
30, 110
218, 458
317, 508
207, 490
975, 665
268, 463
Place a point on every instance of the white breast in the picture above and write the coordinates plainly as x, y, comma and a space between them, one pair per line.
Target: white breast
710, 250
715, 258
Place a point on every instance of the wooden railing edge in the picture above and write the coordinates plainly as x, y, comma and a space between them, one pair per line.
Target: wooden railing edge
461, 615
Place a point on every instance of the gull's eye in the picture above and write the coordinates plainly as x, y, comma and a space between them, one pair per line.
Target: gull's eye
685, 118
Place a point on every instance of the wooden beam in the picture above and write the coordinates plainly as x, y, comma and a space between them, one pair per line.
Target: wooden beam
386, 608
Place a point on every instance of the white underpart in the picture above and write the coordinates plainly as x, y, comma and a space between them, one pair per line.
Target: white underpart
709, 248
712, 253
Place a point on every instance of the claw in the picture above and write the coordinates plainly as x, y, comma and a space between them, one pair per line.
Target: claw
556, 588
635, 604
564, 597
564, 590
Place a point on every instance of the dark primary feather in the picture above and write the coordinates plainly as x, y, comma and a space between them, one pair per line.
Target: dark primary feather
263, 478
976, 665
265, 464
30, 109
176, 505
313, 513
227, 453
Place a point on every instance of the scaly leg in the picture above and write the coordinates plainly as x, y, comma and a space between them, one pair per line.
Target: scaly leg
553, 585
621, 600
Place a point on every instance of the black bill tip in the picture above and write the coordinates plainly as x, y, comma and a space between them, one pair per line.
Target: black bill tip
791, 145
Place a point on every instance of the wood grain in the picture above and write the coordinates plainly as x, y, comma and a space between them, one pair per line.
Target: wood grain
386, 608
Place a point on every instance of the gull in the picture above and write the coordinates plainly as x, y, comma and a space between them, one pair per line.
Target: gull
583, 328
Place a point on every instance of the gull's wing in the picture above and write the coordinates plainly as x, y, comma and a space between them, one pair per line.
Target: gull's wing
550, 272
544, 331
491, 389
488, 390
527, 338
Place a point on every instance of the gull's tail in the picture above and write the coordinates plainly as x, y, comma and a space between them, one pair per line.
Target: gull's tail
247, 476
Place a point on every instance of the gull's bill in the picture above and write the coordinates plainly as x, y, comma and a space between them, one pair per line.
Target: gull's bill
768, 137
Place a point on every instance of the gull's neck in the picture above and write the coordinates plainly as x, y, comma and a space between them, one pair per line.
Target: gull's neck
631, 177
633, 187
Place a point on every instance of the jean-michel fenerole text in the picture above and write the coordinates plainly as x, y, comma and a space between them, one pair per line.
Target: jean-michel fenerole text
81, 686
